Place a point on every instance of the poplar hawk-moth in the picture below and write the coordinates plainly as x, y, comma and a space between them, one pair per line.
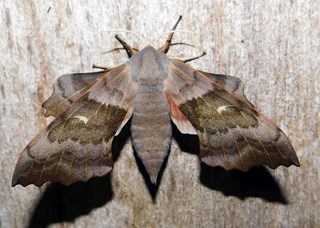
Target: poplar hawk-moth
154, 91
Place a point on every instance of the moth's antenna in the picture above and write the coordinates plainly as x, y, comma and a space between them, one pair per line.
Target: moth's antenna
166, 46
128, 31
118, 49
129, 49
101, 67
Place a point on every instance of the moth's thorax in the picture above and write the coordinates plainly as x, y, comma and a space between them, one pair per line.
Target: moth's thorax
149, 65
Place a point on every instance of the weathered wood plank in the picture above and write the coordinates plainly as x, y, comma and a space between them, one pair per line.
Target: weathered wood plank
272, 46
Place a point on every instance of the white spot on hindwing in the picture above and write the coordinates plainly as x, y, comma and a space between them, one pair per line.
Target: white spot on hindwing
223, 108
82, 118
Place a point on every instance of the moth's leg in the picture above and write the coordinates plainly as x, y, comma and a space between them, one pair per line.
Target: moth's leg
105, 68
191, 58
109, 68
166, 46
129, 49
94, 66
115, 49
101, 67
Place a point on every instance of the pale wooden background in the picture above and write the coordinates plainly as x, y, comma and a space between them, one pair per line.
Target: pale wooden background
273, 46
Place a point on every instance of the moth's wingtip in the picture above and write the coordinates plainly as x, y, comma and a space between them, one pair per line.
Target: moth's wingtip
15, 180
13, 183
296, 163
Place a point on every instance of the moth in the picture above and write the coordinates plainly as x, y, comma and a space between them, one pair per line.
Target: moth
154, 92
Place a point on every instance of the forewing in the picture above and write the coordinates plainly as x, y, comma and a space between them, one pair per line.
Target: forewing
67, 89
232, 134
77, 145
229, 83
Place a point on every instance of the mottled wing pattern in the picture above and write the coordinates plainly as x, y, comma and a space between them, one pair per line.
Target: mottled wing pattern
232, 134
77, 144
229, 83
67, 89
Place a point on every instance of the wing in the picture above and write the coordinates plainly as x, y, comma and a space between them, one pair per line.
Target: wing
67, 89
232, 134
76, 146
229, 83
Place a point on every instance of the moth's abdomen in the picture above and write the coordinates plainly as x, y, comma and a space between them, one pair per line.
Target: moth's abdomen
151, 130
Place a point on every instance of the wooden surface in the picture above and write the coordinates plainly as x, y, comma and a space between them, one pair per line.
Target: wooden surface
273, 46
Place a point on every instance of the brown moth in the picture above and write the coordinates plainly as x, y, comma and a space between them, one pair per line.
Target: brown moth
154, 91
